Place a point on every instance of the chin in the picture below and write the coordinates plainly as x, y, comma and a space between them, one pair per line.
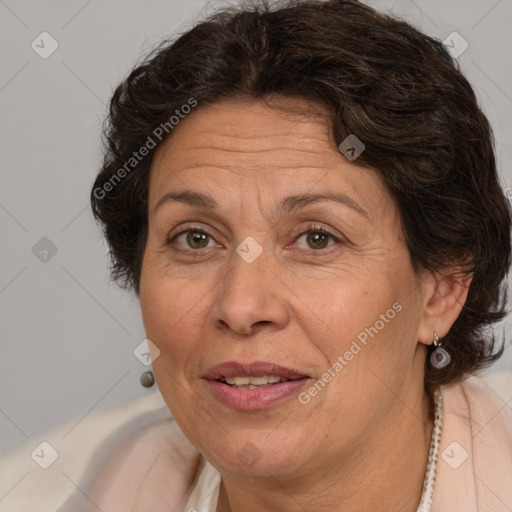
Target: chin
256, 456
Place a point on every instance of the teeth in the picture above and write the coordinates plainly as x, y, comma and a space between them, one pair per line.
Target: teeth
250, 386
262, 380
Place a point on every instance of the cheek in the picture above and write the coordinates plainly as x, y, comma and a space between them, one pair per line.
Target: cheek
345, 304
174, 310
167, 308
366, 319
159, 303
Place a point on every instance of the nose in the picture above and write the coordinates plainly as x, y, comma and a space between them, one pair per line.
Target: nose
251, 297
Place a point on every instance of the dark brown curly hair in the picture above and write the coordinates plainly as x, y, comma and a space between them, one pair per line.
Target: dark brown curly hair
380, 78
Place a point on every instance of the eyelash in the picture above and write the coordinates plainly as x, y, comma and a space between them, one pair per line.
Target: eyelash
310, 228
315, 228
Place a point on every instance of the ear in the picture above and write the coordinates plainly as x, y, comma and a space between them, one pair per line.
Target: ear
443, 299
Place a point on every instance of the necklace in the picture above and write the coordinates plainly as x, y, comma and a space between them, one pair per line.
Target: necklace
430, 474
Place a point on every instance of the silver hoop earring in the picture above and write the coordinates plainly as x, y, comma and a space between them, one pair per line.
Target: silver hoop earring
440, 358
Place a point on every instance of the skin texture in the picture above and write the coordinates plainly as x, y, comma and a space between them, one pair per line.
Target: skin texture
362, 442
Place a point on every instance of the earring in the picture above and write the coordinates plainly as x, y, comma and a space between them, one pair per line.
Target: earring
440, 357
147, 379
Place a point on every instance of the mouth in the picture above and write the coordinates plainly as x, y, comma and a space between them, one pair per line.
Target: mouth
254, 386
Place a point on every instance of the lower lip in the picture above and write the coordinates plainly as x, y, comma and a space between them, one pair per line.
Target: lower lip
256, 399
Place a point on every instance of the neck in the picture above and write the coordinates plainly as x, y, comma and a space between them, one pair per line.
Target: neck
387, 474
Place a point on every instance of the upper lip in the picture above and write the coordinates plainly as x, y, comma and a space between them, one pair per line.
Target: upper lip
252, 369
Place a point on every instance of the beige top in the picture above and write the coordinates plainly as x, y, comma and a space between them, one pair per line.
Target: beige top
136, 459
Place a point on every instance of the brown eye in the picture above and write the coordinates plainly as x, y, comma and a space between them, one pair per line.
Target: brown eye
317, 238
190, 239
197, 239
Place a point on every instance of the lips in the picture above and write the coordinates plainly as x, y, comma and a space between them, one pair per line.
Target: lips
253, 369
258, 397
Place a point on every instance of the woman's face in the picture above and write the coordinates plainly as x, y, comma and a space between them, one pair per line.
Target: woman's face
246, 276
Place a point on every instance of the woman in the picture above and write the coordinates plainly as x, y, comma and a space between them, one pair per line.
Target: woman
305, 199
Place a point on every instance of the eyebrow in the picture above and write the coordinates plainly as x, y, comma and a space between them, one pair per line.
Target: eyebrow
287, 205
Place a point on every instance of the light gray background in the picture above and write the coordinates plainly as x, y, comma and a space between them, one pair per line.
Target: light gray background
68, 335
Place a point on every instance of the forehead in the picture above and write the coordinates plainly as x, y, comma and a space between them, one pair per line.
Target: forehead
238, 146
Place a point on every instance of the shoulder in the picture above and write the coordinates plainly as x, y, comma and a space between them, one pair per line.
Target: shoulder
154, 468
485, 401
114, 459
474, 468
